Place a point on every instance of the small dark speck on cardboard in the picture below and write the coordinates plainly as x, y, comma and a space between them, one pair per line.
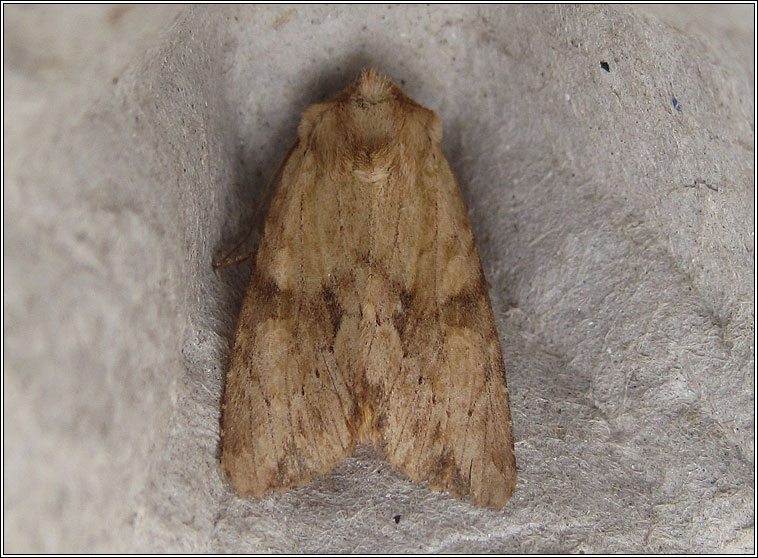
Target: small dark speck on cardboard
676, 104
604, 65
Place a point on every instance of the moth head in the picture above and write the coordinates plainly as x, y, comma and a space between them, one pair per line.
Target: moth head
369, 113
372, 88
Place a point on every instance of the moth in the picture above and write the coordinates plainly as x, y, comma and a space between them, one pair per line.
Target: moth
367, 317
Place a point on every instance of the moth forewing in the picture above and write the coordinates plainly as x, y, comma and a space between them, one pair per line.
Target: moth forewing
367, 317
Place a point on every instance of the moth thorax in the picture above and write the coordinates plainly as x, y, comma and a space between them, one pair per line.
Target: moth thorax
372, 166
